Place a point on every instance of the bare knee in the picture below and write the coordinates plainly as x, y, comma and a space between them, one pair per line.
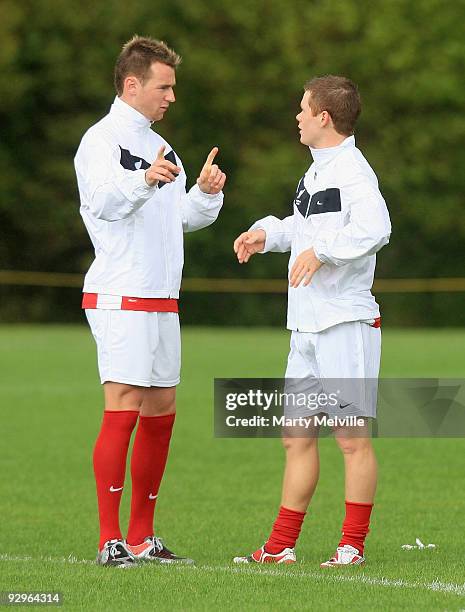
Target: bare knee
299, 445
158, 401
350, 446
119, 396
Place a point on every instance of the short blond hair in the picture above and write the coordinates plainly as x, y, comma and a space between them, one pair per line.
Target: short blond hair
137, 57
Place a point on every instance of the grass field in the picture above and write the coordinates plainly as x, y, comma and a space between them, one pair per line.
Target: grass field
219, 496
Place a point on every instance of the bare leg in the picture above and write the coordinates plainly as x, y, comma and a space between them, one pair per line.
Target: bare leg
148, 401
119, 396
159, 401
301, 472
361, 470
300, 479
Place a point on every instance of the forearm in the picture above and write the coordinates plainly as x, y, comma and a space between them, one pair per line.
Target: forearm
108, 190
354, 241
368, 228
117, 199
200, 209
278, 233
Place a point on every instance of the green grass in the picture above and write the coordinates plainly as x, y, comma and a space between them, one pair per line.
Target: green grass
219, 496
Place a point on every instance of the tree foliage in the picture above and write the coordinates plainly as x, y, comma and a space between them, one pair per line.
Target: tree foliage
239, 87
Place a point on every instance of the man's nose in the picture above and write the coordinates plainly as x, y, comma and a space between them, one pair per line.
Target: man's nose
171, 97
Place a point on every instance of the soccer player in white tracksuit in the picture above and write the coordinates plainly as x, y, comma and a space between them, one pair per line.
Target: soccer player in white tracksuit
338, 223
135, 207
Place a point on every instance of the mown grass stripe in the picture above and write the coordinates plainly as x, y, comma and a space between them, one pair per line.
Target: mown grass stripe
324, 576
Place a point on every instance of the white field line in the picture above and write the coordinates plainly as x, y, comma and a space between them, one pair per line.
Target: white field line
328, 575
334, 575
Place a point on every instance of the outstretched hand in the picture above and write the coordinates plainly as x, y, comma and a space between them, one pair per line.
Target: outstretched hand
249, 243
211, 179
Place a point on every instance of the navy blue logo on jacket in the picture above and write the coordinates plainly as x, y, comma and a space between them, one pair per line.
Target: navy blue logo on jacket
132, 162
325, 201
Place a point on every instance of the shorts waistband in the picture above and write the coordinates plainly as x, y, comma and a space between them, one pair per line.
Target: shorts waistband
95, 301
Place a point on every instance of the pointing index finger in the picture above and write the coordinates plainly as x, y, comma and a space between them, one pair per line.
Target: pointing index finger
211, 156
161, 152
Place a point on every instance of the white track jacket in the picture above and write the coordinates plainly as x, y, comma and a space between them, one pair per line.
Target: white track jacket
136, 230
339, 211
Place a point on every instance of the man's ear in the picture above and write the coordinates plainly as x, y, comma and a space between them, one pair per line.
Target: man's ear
325, 119
130, 84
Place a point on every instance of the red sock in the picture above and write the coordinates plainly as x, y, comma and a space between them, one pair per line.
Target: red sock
148, 461
356, 525
286, 530
110, 451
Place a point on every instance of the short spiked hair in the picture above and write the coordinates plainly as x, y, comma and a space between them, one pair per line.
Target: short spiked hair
137, 57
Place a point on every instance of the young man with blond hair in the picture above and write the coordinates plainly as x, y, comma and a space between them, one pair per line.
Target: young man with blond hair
135, 207
338, 222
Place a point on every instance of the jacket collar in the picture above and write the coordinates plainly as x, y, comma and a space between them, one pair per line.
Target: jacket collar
131, 117
323, 156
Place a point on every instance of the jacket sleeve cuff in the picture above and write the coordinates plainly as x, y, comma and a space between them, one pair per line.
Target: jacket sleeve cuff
208, 200
135, 188
318, 250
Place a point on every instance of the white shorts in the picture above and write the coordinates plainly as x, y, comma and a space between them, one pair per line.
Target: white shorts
343, 359
137, 348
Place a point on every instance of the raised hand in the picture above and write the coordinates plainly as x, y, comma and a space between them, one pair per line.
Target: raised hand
304, 267
161, 170
249, 243
211, 179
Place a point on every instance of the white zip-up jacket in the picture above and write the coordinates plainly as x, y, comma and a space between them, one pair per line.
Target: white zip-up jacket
339, 211
136, 230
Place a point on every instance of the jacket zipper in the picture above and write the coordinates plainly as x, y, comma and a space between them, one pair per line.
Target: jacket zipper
165, 241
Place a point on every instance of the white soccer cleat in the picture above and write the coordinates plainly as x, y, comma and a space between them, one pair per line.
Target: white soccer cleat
345, 555
261, 556
115, 553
